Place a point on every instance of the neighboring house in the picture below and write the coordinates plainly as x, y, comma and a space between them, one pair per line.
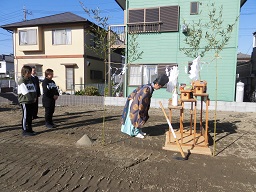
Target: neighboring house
161, 35
244, 66
58, 42
6, 66
246, 71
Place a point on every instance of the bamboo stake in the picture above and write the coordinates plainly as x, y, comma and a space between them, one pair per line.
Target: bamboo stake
171, 129
215, 110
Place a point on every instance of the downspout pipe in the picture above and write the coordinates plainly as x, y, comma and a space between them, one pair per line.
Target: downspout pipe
253, 56
126, 50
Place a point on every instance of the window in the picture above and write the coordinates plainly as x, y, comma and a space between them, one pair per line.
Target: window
28, 37
189, 67
135, 75
169, 16
94, 74
92, 38
144, 74
194, 8
39, 70
61, 37
158, 19
69, 77
149, 73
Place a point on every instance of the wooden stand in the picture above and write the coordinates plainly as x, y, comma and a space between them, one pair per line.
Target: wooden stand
204, 130
196, 142
188, 141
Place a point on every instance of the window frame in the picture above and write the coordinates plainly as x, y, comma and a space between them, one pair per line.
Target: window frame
189, 66
140, 75
194, 3
168, 19
73, 77
92, 39
64, 39
26, 37
39, 68
96, 74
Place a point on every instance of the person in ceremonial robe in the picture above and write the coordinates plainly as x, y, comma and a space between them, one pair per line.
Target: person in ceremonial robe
135, 112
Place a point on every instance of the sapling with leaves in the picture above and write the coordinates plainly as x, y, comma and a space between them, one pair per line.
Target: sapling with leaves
102, 44
102, 41
210, 35
133, 53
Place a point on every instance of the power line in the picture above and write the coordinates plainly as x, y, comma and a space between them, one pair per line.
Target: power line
250, 48
5, 39
8, 34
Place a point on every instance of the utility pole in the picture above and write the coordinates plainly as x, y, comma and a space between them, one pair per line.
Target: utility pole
25, 12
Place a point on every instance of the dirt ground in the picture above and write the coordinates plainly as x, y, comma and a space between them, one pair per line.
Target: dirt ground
50, 161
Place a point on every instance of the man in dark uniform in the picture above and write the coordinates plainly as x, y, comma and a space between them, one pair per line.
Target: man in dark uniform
35, 81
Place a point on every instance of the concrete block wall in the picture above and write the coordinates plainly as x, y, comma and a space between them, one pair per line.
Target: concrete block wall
221, 105
76, 100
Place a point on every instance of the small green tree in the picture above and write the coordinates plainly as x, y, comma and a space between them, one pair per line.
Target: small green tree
102, 45
132, 53
209, 36
103, 42
133, 46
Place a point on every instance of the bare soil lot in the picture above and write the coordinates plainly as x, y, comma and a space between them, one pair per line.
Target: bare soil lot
50, 161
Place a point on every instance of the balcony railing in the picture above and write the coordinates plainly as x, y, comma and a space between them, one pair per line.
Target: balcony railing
145, 27
117, 32
117, 36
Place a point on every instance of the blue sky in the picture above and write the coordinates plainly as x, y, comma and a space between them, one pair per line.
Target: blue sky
12, 11
247, 26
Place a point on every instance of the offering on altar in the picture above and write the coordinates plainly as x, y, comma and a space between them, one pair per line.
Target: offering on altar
199, 87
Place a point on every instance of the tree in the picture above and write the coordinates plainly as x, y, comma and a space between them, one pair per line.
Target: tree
133, 46
102, 46
102, 40
209, 36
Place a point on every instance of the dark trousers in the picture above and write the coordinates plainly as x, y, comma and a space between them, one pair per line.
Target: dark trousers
35, 108
26, 121
49, 105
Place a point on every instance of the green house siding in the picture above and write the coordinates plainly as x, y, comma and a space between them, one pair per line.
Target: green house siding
164, 47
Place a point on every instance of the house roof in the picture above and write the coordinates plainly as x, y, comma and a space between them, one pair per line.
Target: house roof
242, 2
243, 59
7, 58
61, 18
243, 56
122, 3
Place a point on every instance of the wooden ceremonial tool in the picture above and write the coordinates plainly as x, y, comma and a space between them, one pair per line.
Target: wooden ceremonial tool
173, 133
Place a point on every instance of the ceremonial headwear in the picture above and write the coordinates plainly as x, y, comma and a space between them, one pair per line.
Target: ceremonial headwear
161, 80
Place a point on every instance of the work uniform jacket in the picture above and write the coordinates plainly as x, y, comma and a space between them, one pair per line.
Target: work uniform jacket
26, 91
49, 90
141, 98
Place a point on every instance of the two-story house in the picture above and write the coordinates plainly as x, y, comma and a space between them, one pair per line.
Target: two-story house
161, 35
59, 42
6, 66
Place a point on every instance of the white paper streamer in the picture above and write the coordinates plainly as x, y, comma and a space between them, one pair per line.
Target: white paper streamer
195, 69
173, 79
